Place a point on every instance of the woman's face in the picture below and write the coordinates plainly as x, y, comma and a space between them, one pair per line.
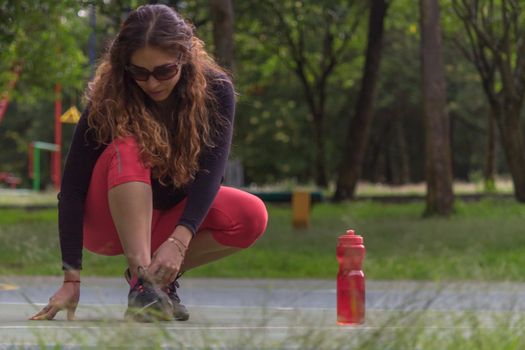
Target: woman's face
164, 66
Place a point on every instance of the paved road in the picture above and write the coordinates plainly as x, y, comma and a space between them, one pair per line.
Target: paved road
231, 313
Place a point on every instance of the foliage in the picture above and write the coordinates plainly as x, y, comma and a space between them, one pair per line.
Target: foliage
287, 66
481, 241
274, 133
45, 38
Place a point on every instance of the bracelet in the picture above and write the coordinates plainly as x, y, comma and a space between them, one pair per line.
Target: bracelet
71, 281
174, 241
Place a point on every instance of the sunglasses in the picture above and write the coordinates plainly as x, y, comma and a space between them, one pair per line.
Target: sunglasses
161, 73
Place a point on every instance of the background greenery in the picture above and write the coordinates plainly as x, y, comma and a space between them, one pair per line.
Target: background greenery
273, 140
273, 136
482, 241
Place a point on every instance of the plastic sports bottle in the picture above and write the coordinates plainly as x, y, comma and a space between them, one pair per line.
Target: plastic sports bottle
350, 279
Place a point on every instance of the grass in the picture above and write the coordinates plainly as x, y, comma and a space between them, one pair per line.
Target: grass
428, 330
482, 241
25, 197
502, 186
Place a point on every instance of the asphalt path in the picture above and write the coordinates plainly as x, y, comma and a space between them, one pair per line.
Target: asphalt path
244, 314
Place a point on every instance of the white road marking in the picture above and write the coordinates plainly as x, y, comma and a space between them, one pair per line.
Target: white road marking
187, 305
232, 328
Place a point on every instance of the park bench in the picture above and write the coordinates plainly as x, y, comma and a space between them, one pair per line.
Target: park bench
10, 179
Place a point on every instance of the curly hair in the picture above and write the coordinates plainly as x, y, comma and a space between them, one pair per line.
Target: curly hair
169, 144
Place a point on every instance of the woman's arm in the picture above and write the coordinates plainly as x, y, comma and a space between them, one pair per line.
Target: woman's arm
201, 193
204, 188
80, 162
82, 156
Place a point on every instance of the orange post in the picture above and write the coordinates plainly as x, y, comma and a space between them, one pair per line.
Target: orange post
301, 201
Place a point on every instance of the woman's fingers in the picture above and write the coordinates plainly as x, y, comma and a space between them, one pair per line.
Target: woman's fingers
165, 274
71, 313
172, 277
50, 310
40, 313
65, 298
162, 274
43, 311
47, 313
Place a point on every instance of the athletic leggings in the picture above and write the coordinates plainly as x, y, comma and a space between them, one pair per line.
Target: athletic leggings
235, 219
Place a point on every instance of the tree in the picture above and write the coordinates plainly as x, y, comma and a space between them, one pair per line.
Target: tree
359, 127
222, 17
43, 38
495, 31
438, 164
312, 52
275, 133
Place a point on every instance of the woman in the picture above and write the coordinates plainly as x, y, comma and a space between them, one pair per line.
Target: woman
144, 169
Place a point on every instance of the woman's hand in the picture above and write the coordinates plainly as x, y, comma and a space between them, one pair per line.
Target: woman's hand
65, 298
168, 258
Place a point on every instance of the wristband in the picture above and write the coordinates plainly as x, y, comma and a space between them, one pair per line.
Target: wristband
71, 281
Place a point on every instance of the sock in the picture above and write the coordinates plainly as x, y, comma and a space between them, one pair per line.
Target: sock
133, 281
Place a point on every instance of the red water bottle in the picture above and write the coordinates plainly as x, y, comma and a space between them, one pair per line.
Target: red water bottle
350, 279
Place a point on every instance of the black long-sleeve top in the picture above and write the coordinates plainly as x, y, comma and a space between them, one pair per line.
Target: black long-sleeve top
84, 152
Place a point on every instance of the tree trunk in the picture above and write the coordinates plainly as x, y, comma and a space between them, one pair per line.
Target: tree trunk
438, 165
319, 160
359, 128
380, 171
380, 148
404, 157
499, 57
512, 142
489, 169
223, 32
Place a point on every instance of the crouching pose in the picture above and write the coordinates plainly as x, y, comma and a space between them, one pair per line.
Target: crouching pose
144, 170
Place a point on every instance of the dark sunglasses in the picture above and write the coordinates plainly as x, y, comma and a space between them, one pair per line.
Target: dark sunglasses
160, 73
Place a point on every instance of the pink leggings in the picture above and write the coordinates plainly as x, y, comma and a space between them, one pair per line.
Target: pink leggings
235, 219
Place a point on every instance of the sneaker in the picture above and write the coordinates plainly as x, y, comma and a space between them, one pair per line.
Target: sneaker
147, 303
180, 313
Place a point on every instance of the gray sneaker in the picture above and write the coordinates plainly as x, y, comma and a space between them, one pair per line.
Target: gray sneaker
147, 303
180, 313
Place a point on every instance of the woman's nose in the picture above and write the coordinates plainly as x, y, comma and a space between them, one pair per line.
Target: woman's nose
152, 82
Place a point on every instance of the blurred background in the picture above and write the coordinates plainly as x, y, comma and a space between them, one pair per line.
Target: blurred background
415, 106
330, 93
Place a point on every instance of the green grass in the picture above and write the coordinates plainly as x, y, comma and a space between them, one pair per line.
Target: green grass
428, 330
25, 197
391, 330
482, 241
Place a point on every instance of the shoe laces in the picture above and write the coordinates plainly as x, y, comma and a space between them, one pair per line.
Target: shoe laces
145, 289
171, 290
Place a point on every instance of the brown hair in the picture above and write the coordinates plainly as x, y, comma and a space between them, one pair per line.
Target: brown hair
169, 144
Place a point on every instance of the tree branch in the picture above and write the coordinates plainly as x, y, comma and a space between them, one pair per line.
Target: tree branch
297, 53
466, 12
504, 59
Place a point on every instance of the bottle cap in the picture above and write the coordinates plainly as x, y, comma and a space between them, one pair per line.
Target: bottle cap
351, 238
